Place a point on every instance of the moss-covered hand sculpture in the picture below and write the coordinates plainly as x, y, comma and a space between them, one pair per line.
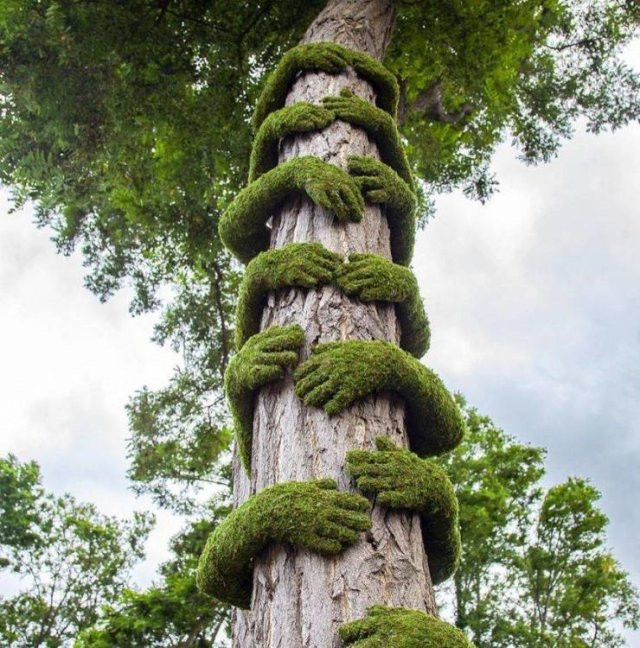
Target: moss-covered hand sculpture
299, 118
332, 59
306, 265
378, 181
314, 515
385, 627
380, 184
262, 360
401, 480
370, 277
379, 125
311, 515
340, 373
296, 265
305, 117
243, 226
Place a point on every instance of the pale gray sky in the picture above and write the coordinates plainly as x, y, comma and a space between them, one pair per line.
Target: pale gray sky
534, 302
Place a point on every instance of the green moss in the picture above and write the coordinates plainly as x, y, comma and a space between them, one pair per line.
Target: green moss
305, 117
299, 118
380, 184
385, 627
299, 265
339, 373
330, 58
306, 265
379, 126
243, 226
373, 278
401, 480
262, 360
312, 515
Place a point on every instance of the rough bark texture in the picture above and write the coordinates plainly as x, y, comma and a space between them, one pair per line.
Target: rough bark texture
300, 599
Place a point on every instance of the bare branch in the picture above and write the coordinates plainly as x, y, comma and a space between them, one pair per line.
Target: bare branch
429, 102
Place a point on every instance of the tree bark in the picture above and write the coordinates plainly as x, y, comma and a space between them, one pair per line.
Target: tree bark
299, 598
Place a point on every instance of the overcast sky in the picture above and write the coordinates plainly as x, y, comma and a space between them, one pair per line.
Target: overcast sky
534, 302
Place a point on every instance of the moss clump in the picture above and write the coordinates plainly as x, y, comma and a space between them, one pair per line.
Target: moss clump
332, 59
373, 278
296, 265
262, 360
243, 226
380, 184
312, 515
300, 118
378, 124
305, 117
401, 480
339, 373
385, 627
307, 265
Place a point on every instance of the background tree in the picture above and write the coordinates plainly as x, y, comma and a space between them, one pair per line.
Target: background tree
535, 568
173, 613
68, 559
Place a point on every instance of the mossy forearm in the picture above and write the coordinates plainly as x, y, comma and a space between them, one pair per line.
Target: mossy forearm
330, 58
263, 359
296, 265
340, 373
434, 421
305, 265
313, 515
414, 324
380, 184
379, 126
385, 627
399, 479
240, 399
243, 227
301, 117
304, 117
370, 277
225, 570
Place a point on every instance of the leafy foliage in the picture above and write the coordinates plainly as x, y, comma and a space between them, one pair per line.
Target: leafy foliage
172, 613
475, 73
19, 495
69, 559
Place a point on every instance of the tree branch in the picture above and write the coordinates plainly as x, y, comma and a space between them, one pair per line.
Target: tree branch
429, 102
224, 332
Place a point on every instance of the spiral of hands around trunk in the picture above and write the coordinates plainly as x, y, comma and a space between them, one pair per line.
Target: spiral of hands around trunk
329, 234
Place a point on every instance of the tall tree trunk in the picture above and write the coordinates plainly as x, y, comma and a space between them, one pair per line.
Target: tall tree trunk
299, 598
